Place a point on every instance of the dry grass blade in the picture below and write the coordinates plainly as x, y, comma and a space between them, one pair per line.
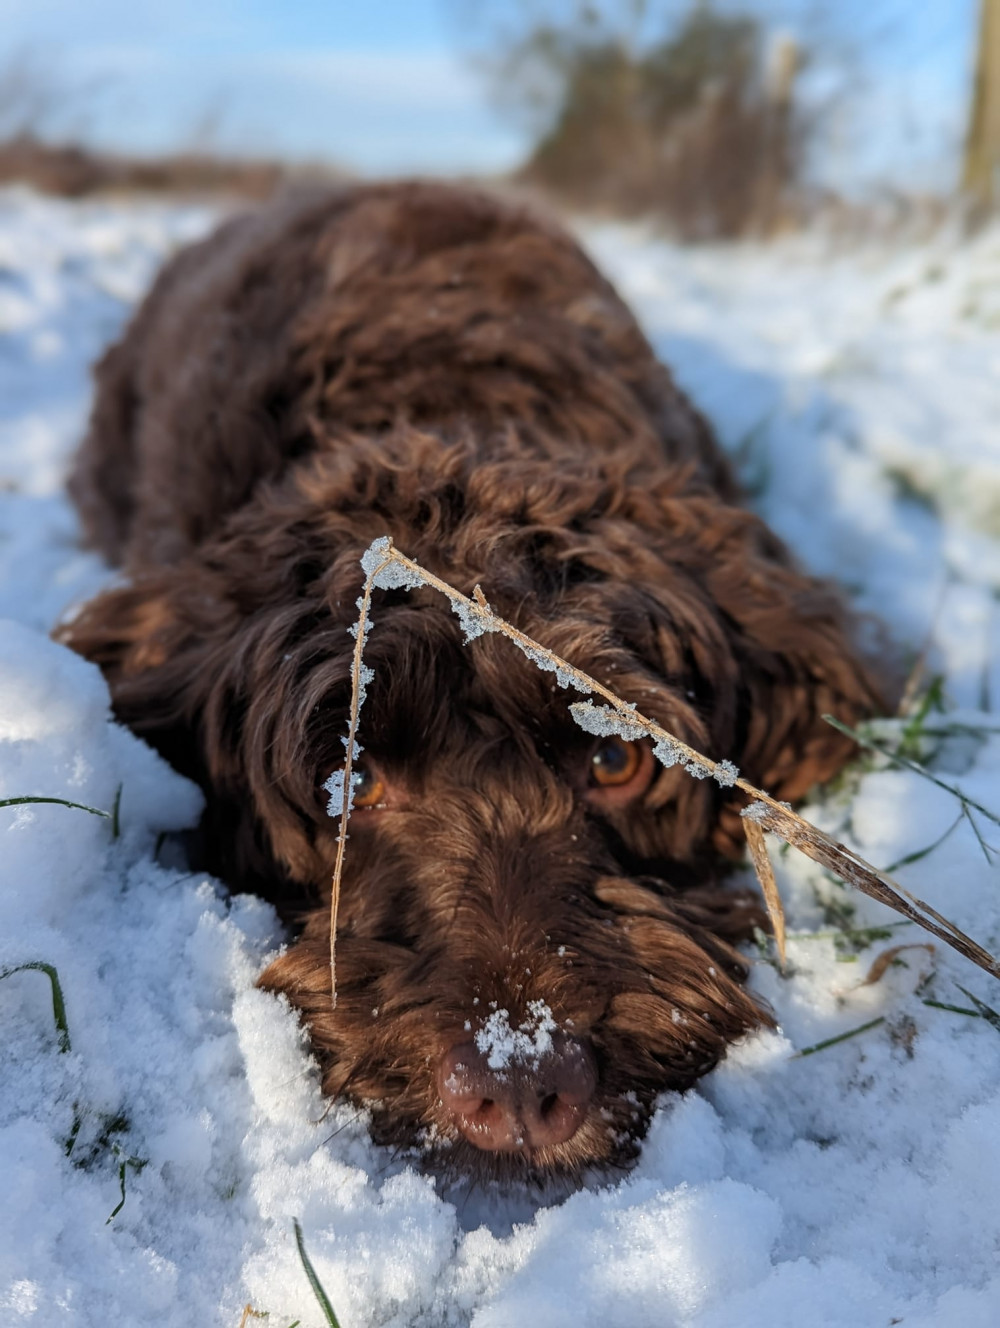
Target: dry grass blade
352, 733
887, 958
769, 886
764, 812
853, 869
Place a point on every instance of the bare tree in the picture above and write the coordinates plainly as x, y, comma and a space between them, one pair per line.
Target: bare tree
677, 107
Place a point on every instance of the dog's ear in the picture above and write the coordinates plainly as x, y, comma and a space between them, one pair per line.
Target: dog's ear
228, 695
761, 650
794, 646
152, 657
798, 660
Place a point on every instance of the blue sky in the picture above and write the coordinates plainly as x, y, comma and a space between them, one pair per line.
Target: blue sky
383, 85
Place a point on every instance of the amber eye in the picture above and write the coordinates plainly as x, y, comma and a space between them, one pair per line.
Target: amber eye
615, 762
369, 789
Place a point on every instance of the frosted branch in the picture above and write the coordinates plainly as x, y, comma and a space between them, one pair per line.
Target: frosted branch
386, 568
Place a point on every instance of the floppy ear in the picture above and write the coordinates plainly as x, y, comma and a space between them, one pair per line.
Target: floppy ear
153, 659
228, 691
793, 643
757, 651
169, 648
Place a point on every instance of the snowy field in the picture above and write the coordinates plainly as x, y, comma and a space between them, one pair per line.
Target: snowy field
854, 1187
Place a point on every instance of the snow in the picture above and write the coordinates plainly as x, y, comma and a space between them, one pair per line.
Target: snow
503, 1045
852, 1185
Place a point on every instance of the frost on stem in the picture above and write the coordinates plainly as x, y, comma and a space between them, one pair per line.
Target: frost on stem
604, 722
335, 784
756, 811
359, 604
726, 774
335, 787
364, 679
393, 575
542, 660
474, 621
670, 753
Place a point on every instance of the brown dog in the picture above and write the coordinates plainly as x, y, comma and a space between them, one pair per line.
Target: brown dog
533, 943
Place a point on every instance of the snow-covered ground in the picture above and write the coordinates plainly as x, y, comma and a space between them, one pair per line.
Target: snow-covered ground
856, 1186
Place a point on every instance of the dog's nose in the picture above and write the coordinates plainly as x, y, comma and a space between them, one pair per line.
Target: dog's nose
532, 1103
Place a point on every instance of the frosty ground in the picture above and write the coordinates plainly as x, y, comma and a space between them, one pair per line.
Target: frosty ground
859, 390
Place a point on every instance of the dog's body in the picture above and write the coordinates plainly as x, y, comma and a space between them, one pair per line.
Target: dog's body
532, 942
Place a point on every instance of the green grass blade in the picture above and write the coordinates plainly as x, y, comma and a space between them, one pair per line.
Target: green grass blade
121, 1202
74, 1132
841, 1037
953, 1009
880, 933
137, 1164
975, 830
933, 699
58, 1003
58, 802
923, 852
986, 1011
907, 764
116, 824
314, 1282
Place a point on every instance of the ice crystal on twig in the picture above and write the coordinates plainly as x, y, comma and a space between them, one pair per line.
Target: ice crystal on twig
668, 752
604, 722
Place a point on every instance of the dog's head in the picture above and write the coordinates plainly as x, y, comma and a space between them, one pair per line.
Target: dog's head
531, 945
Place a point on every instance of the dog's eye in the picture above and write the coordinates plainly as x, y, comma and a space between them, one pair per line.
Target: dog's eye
618, 773
369, 789
614, 763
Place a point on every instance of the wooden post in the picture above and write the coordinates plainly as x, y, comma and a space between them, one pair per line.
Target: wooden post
981, 167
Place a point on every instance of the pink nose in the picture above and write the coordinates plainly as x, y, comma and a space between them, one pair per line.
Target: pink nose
531, 1104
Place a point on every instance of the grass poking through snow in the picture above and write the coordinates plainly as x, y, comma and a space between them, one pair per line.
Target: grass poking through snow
58, 1001
314, 1282
841, 1037
985, 1011
907, 763
58, 802
137, 1164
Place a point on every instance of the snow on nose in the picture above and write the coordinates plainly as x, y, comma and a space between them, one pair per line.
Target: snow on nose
512, 1089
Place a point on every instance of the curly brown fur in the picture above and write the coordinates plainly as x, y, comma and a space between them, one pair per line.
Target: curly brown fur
437, 365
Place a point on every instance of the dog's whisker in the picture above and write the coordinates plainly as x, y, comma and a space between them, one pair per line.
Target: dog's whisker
352, 1120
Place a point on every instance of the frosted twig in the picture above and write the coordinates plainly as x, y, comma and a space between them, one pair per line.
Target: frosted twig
384, 565
352, 733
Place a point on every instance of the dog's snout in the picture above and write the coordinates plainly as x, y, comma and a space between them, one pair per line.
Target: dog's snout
532, 1103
